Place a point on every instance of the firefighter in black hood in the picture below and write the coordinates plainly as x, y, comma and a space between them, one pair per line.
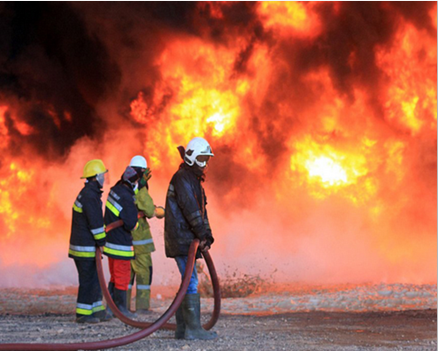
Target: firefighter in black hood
120, 205
88, 232
186, 219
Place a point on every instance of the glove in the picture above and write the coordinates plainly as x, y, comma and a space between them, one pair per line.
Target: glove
205, 243
210, 240
159, 212
147, 174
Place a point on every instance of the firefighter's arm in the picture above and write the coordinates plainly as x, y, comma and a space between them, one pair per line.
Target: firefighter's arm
145, 203
190, 207
129, 215
208, 240
92, 209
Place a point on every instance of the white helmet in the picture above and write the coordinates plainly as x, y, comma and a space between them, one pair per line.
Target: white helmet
139, 162
197, 147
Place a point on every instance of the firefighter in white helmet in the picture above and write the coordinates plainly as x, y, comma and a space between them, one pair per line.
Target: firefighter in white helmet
141, 265
186, 219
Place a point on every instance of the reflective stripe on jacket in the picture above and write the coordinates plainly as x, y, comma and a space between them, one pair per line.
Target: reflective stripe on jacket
120, 205
87, 229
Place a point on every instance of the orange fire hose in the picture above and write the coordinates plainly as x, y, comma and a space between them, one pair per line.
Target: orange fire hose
149, 328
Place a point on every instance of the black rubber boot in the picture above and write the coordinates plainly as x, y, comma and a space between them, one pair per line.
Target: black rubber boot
191, 308
111, 289
104, 315
87, 319
120, 301
180, 326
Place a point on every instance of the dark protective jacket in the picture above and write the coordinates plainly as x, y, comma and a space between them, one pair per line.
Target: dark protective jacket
186, 216
87, 229
120, 205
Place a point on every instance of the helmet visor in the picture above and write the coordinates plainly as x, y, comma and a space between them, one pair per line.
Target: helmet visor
101, 178
202, 160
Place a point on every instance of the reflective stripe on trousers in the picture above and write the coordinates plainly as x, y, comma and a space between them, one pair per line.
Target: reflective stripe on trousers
89, 298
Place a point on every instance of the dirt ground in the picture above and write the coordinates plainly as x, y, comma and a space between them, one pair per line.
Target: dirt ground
255, 322
402, 330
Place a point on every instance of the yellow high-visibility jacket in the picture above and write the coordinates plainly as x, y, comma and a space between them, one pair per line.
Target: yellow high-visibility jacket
142, 237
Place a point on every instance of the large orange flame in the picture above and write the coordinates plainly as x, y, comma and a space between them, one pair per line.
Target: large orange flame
324, 138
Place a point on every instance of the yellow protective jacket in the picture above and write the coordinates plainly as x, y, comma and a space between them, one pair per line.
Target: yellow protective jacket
142, 237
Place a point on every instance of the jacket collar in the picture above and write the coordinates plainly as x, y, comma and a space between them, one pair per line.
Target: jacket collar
194, 170
125, 185
93, 185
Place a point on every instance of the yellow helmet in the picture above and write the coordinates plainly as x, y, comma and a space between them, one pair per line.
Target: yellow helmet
93, 168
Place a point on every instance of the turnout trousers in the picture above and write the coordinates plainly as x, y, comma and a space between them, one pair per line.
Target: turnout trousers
141, 274
89, 298
120, 271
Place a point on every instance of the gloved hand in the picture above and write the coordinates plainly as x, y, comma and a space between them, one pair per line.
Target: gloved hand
159, 212
147, 174
205, 243
210, 240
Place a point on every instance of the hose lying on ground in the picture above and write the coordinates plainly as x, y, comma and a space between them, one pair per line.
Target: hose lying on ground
169, 326
106, 344
147, 328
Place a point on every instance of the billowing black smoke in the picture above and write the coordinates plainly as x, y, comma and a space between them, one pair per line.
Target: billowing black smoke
52, 72
59, 60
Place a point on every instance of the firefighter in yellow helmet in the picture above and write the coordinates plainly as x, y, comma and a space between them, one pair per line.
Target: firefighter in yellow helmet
87, 232
141, 265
